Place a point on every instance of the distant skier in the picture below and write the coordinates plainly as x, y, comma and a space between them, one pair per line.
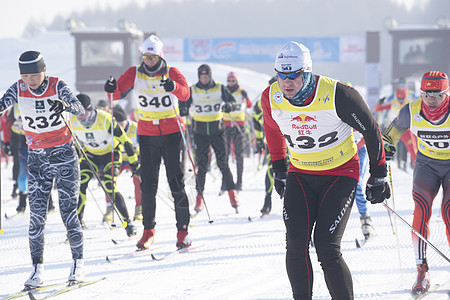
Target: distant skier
14, 144
319, 185
51, 155
261, 145
93, 129
360, 199
210, 99
234, 125
408, 142
428, 119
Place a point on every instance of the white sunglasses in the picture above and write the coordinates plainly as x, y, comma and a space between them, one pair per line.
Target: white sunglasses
433, 94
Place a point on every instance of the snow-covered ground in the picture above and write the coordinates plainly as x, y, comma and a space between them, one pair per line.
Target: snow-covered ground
233, 257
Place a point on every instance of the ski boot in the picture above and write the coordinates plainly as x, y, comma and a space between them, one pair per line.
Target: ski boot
22, 202
233, 199
130, 229
107, 217
183, 240
422, 283
36, 278
146, 240
76, 271
267, 205
366, 226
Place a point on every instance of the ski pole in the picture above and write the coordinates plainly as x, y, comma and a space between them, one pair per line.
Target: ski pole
416, 232
190, 157
77, 142
395, 223
1, 228
95, 200
392, 192
236, 124
112, 148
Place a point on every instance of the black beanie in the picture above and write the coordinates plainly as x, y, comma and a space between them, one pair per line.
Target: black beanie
102, 103
204, 70
85, 101
31, 62
119, 113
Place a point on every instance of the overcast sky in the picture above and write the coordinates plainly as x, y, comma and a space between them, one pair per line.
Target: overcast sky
16, 14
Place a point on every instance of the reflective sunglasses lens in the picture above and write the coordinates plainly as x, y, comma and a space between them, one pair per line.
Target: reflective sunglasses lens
291, 76
150, 57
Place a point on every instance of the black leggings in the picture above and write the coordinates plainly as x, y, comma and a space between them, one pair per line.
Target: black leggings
202, 150
324, 201
154, 149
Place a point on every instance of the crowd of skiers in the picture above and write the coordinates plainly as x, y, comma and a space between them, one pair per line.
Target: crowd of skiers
316, 134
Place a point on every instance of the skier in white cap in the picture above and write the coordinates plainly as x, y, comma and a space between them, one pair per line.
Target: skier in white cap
314, 116
158, 88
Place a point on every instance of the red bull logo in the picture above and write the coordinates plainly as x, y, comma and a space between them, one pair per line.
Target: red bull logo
303, 118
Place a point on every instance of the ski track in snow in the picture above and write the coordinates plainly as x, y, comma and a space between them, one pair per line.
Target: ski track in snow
237, 259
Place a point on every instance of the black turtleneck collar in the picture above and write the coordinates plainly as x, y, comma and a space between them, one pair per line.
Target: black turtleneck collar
207, 86
158, 69
233, 88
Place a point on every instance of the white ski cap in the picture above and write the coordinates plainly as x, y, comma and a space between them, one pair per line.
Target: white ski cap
152, 45
293, 57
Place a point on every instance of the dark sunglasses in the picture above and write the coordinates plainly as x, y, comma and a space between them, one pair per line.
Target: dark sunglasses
291, 76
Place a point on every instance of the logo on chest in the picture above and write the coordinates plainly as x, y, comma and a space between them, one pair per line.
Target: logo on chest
89, 136
39, 106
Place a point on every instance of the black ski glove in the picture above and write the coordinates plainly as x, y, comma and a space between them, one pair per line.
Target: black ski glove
227, 107
136, 168
184, 110
110, 85
168, 85
389, 151
57, 105
280, 182
259, 145
280, 172
377, 189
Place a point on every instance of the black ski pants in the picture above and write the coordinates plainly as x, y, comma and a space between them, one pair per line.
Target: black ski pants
236, 135
323, 201
102, 163
202, 151
153, 149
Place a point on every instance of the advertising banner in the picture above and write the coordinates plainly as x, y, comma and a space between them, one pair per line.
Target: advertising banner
222, 50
